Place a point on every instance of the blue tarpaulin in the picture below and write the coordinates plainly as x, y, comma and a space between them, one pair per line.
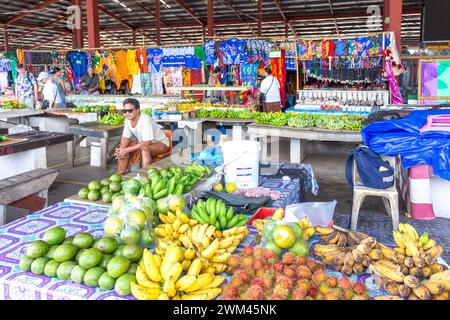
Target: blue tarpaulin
403, 137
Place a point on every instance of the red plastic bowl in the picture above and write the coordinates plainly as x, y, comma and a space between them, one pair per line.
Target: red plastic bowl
261, 213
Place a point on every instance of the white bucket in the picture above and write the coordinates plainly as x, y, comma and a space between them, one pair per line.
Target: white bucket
96, 154
241, 162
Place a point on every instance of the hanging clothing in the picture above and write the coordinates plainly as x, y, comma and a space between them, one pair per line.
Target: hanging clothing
199, 53
172, 77
136, 86
154, 60
157, 83
210, 52
133, 66
112, 68
146, 84
3, 80
233, 51
122, 67
78, 63
278, 68
186, 74
142, 59
20, 56
393, 85
196, 77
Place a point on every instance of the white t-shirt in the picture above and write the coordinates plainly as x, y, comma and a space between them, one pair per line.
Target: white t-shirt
271, 90
50, 92
147, 129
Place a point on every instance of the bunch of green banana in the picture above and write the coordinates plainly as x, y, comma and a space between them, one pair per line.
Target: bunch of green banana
113, 119
173, 180
216, 213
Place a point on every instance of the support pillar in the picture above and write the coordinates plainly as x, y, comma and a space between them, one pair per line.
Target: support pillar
286, 31
393, 20
210, 6
259, 18
93, 23
158, 22
77, 34
134, 37
6, 38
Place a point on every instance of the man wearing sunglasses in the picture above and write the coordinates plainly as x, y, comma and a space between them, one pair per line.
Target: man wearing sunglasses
151, 140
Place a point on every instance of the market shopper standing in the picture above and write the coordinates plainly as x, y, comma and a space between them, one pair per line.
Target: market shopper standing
26, 87
90, 83
269, 91
52, 95
151, 140
57, 75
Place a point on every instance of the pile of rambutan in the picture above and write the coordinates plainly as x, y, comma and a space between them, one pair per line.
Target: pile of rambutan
258, 274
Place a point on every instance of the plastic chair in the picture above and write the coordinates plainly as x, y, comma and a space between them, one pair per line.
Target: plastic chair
389, 196
168, 134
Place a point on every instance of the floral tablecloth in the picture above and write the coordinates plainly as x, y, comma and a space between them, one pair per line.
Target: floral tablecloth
74, 218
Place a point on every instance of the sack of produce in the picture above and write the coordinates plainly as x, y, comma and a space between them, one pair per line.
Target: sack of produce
131, 219
281, 237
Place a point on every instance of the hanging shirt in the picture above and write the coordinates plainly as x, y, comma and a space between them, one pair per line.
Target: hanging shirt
341, 48
142, 59
133, 66
78, 62
233, 51
154, 60
122, 67
328, 49
210, 52
25, 85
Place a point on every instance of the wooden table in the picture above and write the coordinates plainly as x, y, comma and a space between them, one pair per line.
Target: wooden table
97, 130
30, 153
298, 138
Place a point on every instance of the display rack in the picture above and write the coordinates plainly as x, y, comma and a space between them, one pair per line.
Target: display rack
342, 100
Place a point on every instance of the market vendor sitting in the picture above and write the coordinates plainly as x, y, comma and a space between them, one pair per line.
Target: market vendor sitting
151, 140
90, 83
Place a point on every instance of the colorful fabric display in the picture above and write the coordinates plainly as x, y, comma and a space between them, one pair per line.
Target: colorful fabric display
233, 51
154, 60
78, 63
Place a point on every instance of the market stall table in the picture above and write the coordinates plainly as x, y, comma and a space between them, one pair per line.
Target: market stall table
100, 131
74, 218
239, 125
298, 138
28, 152
22, 115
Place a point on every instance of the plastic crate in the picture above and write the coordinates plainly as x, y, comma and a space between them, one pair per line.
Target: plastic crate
261, 213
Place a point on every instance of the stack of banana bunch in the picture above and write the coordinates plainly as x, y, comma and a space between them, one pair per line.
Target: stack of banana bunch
398, 283
161, 279
202, 241
174, 225
410, 244
410, 270
351, 259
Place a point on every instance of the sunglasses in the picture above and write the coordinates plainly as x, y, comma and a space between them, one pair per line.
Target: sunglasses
128, 110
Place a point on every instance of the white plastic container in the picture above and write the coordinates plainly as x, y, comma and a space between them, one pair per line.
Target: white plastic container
96, 154
241, 162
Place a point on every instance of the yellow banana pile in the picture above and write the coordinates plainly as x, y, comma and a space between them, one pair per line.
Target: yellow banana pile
161, 278
174, 225
203, 241
409, 243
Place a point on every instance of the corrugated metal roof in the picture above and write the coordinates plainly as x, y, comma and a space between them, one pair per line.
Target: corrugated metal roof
232, 18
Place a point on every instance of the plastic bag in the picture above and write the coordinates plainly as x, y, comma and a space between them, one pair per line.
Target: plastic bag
281, 237
318, 213
131, 220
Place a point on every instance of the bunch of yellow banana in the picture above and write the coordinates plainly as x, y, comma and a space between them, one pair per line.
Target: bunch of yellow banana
174, 225
409, 243
213, 247
162, 279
